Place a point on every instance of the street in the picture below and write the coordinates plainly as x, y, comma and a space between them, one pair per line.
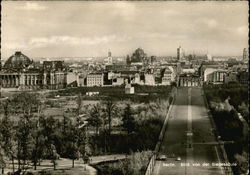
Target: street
189, 136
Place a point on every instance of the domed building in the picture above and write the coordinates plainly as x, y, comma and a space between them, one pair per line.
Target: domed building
19, 73
18, 61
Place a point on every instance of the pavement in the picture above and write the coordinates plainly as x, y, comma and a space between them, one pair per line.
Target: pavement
66, 164
189, 135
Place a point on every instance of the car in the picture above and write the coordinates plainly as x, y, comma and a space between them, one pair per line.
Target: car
178, 159
161, 157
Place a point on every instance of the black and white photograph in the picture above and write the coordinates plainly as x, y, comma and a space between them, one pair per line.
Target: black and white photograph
124, 87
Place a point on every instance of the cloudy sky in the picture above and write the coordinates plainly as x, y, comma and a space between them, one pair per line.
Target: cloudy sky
54, 29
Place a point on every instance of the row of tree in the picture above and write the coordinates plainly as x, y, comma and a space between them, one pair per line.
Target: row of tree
225, 101
27, 135
237, 95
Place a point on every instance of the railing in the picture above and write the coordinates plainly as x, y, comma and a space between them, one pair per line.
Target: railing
151, 163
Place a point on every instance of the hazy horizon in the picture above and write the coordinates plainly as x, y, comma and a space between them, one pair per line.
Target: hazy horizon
91, 29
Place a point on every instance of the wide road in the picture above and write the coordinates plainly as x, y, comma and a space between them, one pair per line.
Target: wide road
189, 136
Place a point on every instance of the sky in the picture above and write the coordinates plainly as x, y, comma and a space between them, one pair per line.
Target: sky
91, 29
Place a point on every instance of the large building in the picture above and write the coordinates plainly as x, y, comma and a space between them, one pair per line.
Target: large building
180, 53
189, 80
168, 76
216, 77
95, 79
19, 72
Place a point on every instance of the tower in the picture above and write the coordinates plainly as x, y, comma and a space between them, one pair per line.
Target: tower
109, 54
245, 54
180, 53
109, 59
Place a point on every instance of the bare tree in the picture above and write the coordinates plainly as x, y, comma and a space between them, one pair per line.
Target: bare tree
109, 110
95, 118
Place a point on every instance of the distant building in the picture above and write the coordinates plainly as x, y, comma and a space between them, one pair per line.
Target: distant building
82, 80
72, 79
180, 53
138, 57
116, 67
209, 57
54, 75
137, 79
188, 70
149, 79
245, 54
129, 89
109, 59
95, 79
189, 80
118, 81
19, 72
208, 71
220, 59
216, 77
167, 77
208, 67
243, 77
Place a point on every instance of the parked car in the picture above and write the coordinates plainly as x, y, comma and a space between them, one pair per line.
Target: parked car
161, 157
178, 159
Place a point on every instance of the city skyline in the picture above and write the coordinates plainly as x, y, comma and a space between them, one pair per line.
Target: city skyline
91, 29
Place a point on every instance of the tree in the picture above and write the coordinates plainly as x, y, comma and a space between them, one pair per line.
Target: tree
79, 103
242, 163
38, 148
26, 102
128, 119
109, 110
70, 140
7, 138
72, 147
95, 119
53, 155
24, 139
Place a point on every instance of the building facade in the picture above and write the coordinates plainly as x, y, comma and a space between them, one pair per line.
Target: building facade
217, 77
189, 80
95, 79
20, 73
167, 77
